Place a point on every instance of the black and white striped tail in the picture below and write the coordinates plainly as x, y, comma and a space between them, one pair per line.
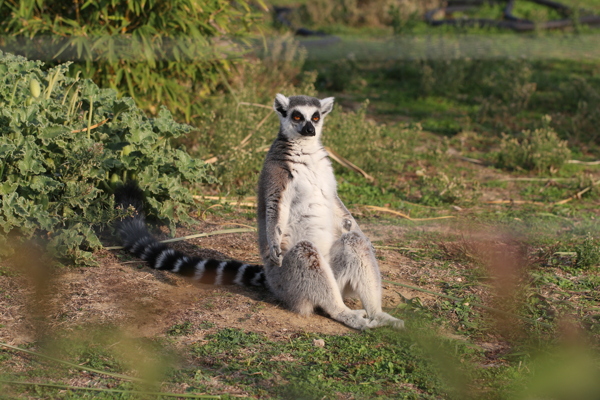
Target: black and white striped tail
139, 241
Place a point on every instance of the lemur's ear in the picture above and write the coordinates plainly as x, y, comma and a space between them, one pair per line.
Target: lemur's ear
326, 105
281, 104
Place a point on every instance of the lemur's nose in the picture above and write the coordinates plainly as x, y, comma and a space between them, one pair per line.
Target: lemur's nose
308, 130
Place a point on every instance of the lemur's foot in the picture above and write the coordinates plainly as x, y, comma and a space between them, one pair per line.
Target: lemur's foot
353, 318
385, 319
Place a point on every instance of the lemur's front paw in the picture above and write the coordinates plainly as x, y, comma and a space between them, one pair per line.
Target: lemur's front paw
347, 225
275, 255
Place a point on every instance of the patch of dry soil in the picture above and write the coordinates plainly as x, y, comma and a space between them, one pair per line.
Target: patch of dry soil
125, 293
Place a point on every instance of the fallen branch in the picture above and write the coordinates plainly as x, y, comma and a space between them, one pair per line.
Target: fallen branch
583, 162
398, 213
198, 235
578, 194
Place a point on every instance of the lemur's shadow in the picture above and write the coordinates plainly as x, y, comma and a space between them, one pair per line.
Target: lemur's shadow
256, 293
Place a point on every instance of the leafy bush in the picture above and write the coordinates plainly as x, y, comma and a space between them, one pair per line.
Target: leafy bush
63, 141
540, 150
157, 52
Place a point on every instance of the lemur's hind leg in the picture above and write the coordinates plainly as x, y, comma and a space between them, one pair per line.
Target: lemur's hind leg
305, 281
356, 272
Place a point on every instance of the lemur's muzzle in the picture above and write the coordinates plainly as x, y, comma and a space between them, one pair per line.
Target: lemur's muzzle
308, 129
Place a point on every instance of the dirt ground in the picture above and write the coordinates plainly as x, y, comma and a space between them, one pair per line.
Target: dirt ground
122, 292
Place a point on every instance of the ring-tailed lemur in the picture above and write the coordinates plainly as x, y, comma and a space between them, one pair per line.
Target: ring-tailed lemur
313, 251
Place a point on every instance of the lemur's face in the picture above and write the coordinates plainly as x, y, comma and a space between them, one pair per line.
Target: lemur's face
302, 116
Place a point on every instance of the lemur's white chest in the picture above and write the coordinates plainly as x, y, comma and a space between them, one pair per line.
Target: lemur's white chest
310, 199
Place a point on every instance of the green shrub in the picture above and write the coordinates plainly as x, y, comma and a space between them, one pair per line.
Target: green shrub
157, 52
441, 189
540, 150
63, 141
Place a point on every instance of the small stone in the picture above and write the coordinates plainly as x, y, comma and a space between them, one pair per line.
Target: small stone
318, 342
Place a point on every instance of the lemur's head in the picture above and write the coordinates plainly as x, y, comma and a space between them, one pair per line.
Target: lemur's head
301, 116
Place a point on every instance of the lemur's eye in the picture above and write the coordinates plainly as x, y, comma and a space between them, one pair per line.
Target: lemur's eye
315, 118
297, 116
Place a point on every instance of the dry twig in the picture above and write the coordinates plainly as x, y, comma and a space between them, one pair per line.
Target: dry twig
197, 235
244, 103
398, 213
342, 161
91, 127
248, 201
514, 202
